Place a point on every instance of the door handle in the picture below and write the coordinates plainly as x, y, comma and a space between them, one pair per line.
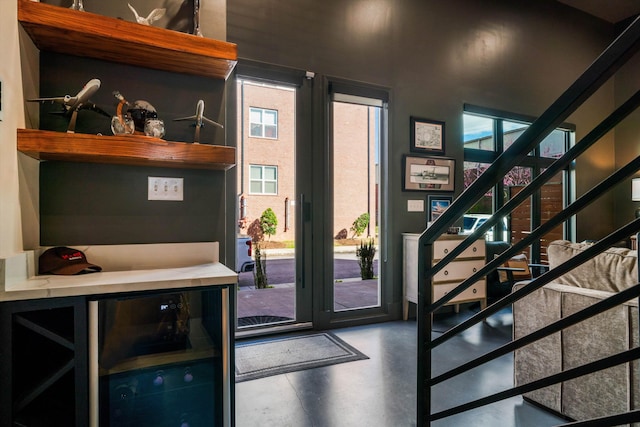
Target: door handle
301, 221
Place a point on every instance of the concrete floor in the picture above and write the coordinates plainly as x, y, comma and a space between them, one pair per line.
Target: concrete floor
381, 391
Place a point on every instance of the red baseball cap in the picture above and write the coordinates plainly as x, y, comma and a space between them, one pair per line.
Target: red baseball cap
67, 261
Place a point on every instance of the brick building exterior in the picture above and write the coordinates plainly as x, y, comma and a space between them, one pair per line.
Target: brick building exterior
268, 151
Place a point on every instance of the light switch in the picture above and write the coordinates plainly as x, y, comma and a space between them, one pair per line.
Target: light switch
415, 205
165, 188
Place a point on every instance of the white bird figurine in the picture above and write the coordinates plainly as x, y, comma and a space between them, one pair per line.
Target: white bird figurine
153, 16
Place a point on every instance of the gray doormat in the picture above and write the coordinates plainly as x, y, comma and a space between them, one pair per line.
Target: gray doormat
294, 353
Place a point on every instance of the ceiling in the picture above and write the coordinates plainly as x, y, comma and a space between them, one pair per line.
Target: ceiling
612, 11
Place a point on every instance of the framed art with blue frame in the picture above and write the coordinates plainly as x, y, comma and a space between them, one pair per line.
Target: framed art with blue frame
437, 205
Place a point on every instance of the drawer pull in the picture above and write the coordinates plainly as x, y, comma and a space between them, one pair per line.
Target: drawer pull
446, 251
475, 269
475, 249
475, 291
446, 272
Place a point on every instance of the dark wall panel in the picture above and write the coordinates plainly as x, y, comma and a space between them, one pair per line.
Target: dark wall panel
434, 56
84, 203
107, 204
173, 95
627, 137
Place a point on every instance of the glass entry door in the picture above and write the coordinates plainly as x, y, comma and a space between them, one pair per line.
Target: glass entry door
269, 291
312, 208
356, 135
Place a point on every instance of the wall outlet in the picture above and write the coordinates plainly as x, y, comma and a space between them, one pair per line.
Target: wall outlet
165, 188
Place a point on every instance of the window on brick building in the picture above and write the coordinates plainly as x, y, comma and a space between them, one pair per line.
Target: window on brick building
264, 179
264, 123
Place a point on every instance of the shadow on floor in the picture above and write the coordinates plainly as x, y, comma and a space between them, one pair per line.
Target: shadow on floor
381, 391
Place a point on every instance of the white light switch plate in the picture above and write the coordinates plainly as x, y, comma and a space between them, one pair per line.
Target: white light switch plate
415, 205
165, 188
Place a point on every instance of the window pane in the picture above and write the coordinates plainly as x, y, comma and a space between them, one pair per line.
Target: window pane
270, 132
478, 133
270, 173
256, 172
551, 203
256, 130
270, 188
511, 132
472, 170
256, 115
483, 208
256, 186
270, 117
553, 146
520, 176
520, 219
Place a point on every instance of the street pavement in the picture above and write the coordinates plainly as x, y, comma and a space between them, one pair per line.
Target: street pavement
281, 271
350, 291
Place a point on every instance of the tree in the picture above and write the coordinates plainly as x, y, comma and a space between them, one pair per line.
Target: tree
260, 279
268, 226
360, 224
269, 222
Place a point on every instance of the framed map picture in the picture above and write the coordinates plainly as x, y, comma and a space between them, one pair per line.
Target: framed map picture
427, 136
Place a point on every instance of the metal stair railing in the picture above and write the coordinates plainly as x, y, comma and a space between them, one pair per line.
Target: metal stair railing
517, 247
560, 164
625, 46
537, 283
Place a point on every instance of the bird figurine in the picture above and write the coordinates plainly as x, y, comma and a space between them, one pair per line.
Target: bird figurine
153, 16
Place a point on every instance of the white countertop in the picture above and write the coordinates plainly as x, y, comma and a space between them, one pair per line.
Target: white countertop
18, 281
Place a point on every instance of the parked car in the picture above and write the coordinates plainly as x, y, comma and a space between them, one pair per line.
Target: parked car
471, 222
244, 261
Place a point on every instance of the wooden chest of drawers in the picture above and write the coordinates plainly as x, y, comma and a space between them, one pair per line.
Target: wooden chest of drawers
463, 266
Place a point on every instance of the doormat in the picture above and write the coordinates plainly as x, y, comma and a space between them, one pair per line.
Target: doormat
295, 353
261, 320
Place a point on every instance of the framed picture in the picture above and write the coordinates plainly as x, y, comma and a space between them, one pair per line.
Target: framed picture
437, 205
427, 136
428, 174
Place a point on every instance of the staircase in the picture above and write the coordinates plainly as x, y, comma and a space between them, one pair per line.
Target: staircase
604, 67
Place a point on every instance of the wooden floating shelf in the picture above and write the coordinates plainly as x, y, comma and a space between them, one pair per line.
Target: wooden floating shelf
63, 30
135, 150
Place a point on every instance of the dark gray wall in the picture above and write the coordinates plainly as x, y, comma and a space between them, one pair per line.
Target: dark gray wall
627, 137
83, 203
435, 56
173, 95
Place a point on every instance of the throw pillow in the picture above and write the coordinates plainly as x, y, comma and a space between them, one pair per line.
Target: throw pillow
613, 270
